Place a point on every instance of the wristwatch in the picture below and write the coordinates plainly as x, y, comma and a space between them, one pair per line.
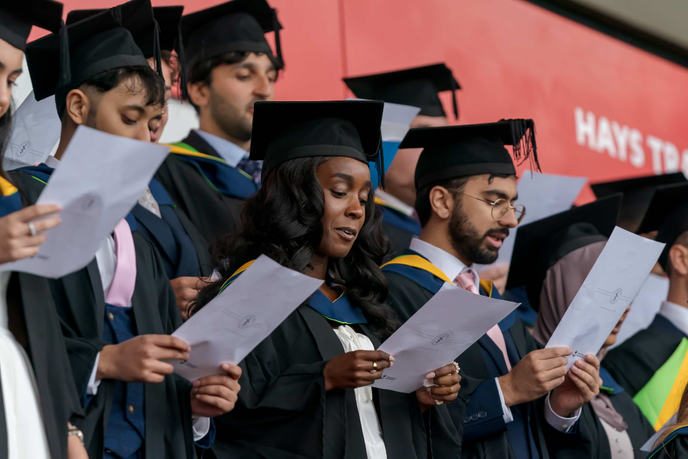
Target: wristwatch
74, 431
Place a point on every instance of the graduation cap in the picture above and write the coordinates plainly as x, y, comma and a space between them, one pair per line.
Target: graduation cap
235, 26
98, 44
637, 194
17, 17
541, 244
168, 19
668, 215
459, 151
166, 34
416, 86
288, 130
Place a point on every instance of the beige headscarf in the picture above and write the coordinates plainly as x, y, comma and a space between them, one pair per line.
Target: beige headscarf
562, 282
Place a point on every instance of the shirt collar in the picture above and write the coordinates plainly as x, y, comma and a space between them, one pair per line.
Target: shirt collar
52, 161
676, 314
446, 262
227, 150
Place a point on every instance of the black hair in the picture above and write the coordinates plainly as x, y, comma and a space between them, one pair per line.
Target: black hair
201, 71
5, 133
456, 186
283, 220
152, 83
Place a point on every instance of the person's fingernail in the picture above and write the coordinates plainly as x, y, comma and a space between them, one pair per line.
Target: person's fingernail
391, 364
430, 375
225, 366
391, 359
575, 369
198, 397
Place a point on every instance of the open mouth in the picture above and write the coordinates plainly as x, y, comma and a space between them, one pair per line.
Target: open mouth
348, 234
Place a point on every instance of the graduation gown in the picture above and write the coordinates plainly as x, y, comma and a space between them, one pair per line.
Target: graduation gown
284, 412
80, 305
34, 322
182, 248
635, 361
399, 228
478, 414
674, 446
209, 191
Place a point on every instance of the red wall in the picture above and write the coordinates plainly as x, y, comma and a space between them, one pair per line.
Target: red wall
513, 59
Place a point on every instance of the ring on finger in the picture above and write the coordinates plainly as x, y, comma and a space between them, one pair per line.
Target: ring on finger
32, 229
374, 370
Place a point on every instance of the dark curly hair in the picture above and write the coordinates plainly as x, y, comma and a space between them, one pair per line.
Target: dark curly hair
283, 220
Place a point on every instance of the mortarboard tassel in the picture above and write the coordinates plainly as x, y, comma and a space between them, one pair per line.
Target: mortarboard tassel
65, 70
454, 88
278, 42
523, 142
380, 165
156, 48
181, 67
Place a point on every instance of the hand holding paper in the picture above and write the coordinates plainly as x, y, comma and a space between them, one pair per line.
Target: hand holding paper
439, 332
100, 178
243, 315
611, 285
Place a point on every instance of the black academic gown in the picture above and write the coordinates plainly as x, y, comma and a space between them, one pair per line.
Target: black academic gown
284, 412
34, 322
81, 308
213, 213
633, 363
477, 413
674, 446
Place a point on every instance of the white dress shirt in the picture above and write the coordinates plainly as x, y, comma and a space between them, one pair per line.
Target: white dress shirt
676, 314
230, 152
370, 424
26, 437
106, 259
452, 267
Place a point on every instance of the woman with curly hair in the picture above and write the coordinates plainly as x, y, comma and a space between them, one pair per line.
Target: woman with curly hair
305, 388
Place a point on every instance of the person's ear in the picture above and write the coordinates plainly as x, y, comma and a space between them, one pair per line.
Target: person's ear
199, 93
442, 202
77, 106
678, 256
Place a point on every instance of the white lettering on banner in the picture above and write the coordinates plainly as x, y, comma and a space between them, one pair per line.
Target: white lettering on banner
624, 143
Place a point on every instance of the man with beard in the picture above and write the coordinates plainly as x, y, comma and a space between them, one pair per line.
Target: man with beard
229, 66
519, 400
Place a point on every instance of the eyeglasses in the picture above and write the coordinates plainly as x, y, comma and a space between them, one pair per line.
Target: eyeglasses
501, 206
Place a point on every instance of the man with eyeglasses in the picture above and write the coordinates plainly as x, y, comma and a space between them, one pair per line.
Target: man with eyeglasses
517, 400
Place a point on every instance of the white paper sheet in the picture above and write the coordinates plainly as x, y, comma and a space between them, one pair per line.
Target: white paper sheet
243, 315
611, 285
438, 333
100, 178
649, 444
644, 308
35, 133
543, 195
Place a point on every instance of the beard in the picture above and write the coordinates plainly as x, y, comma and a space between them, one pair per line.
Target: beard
231, 119
466, 240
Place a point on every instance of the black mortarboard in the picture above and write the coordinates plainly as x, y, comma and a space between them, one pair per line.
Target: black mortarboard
96, 45
668, 215
18, 16
459, 151
637, 194
290, 130
417, 87
168, 19
235, 26
541, 244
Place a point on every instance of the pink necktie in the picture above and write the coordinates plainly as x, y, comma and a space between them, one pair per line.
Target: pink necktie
465, 281
124, 280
